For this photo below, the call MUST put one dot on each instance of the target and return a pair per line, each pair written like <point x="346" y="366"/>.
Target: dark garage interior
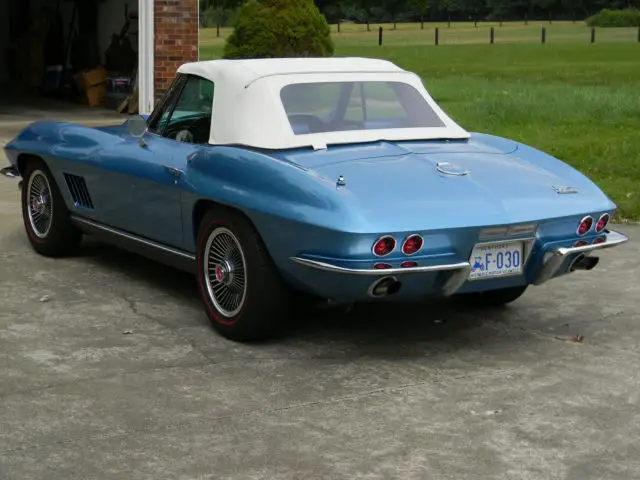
<point x="67" y="55"/>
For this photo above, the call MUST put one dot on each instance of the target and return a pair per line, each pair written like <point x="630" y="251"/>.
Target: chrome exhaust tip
<point x="384" y="287"/>
<point x="583" y="262"/>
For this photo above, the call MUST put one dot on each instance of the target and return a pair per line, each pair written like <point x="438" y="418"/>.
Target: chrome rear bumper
<point x="554" y="258"/>
<point x="459" y="271"/>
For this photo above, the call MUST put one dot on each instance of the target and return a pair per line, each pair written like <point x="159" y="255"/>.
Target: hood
<point x="405" y="191"/>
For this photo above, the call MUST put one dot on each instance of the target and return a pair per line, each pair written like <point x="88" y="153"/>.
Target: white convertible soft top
<point x="248" y="110"/>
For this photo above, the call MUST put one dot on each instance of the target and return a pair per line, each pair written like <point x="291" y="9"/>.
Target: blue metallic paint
<point x="293" y="200"/>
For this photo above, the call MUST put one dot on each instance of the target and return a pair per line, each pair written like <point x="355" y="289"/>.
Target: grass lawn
<point x="577" y="101"/>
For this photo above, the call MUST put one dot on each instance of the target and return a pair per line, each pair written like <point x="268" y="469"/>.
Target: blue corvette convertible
<point x="337" y="177"/>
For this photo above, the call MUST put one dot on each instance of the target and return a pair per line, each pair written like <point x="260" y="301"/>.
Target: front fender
<point x="48" y="139"/>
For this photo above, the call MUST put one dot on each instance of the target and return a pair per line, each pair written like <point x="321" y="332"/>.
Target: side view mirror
<point x="137" y="127"/>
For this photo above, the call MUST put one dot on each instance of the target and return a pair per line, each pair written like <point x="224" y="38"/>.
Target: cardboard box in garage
<point x="93" y="84"/>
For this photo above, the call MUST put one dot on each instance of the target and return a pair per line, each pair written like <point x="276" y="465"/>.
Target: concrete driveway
<point x="108" y="369"/>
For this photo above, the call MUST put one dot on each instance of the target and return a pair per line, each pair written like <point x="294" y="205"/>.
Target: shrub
<point x="615" y="18"/>
<point x="279" y="28"/>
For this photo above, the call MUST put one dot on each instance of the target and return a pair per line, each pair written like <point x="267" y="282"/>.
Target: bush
<point x="279" y="28"/>
<point x="615" y="18"/>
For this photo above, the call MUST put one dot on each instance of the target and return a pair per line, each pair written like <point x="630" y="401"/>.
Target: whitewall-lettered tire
<point x="45" y="215"/>
<point x="243" y="294"/>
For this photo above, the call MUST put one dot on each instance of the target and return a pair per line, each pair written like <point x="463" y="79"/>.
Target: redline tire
<point x="44" y="213"/>
<point x="243" y="294"/>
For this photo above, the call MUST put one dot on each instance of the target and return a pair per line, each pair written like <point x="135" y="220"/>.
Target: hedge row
<point x="615" y="18"/>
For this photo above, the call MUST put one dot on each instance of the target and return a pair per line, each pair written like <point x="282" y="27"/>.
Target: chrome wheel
<point x="40" y="204"/>
<point x="225" y="272"/>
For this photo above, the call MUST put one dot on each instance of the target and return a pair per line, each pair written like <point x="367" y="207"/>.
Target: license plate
<point x="492" y="260"/>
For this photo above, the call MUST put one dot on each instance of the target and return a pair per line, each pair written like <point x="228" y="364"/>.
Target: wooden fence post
<point x="379" y="36"/>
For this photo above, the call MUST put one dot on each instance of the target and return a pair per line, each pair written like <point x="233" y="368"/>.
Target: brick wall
<point x="176" y="39"/>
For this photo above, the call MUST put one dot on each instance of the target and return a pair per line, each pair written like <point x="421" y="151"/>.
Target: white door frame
<point x="146" y="47"/>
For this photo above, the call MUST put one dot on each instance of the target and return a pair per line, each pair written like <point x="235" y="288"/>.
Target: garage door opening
<point x="62" y="59"/>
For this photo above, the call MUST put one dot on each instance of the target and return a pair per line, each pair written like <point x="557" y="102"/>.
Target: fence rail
<point x="354" y="35"/>
<point x="387" y="35"/>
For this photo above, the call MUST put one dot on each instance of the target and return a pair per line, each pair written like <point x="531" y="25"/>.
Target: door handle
<point x="175" y="172"/>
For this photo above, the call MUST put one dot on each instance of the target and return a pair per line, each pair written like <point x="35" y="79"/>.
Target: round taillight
<point x="412" y="244"/>
<point x="381" y="266"/>
<point x="581" y="243"/>
<point x="597" y="241"/>
<point x="602" y="222"/>
<point x="585" y="225"/>
<point x="409" y="264"/>
<point x="384" y="246"/>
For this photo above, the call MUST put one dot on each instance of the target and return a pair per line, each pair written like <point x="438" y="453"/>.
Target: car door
<point x="180" y="126"/>
<point x="134" y="184"/>
<point x="143" y="182"/>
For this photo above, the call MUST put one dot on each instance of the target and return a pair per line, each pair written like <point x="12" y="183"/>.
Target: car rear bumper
<point x="452" y="277"/>
<point x="554" y="258"/>
<point x="456" y="273"/>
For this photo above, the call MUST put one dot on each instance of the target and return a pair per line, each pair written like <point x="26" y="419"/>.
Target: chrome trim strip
<point x="554" y="258"/>
<point x="382" y="272"/>
<point x="135" y="238"/>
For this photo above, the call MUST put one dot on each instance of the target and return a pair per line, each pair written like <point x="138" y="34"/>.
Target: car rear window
<point x="321" y="107"/>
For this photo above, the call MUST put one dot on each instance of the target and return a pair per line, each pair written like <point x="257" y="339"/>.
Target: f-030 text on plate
<point x="490" y="260"/>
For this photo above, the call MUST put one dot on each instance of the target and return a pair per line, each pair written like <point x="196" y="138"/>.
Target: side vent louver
<point x="78" y="189"/>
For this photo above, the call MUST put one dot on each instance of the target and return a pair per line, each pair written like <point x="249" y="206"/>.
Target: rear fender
<point x="272" y="193"/>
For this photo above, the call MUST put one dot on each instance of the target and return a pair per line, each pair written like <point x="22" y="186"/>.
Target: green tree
<point x="279" y="28"/>
<point x="422" y="8"/>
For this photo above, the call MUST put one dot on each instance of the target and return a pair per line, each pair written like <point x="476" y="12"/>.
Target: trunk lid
<point x="400" y="188"/>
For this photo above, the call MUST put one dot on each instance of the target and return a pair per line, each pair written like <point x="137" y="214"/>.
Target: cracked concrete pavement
<point x="110" y="370"/>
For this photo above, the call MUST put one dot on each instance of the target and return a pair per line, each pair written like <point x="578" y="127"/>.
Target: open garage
<point x="90" y="58"/>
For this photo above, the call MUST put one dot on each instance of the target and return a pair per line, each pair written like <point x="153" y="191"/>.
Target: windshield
<point x="322" y="107"/>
